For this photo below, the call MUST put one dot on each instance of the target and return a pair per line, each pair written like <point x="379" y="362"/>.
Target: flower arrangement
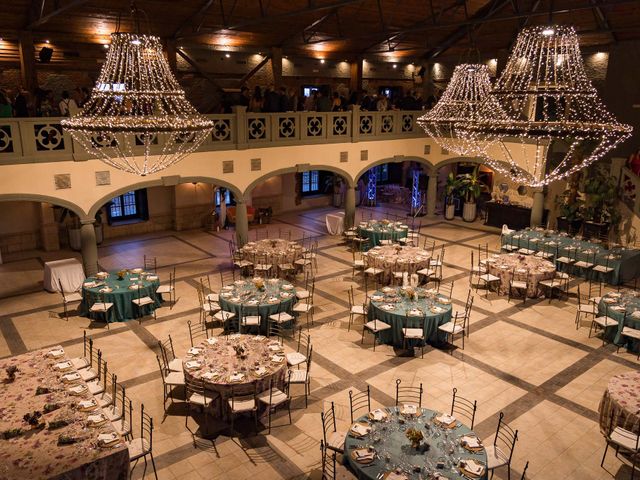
<point x="385" y="222"/>
<point x="409" y="292"/>
<point x="258" y="282"/>
<point x="240" y="351"/>
<point x="11" y="373"/>
<point x="33" y="419"/>
<point x="415" y="437"/>
<point x="122" y="273"/>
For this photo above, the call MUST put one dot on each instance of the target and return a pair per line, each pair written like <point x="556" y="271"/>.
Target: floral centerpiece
<point x="11" y="373"/>
<point x="240" y="351"/>
<point x="409" y="292"/>
<point x="415" y="437"/>
<point x="258" y="282"/>
<point x="122" y="273"/>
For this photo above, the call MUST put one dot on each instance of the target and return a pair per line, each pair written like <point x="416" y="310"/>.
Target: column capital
<point x="87" y="221"/>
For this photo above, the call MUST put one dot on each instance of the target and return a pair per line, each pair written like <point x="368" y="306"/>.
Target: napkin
<point x="152" y="277"/>
<point x="102" y="274"/>
<point x="636" y="314"/>
<point x="273" y="299"/>
<point x="212" y="341"/>
<point x="87" y="404"/>
<point x="363" y="455"/>
<point x="415" y="313"/>
<point x="107" y="438"/>
<point x="617" y="308"/>
<point x="409" y="409"/>
<point x="399" y="476"/>
<point x="71" y="377"/>
<point x="473" y="467"/>
<point x="446" y="419"/>
<point x="259" y="338"/>
<point x="275" y="347"/>
<point x="436" y="309"/>
<point x="105" y="290"/>
<point x="78" y="389"/>
<point x="58" y="352"/>
<point x="360" y="429"/>
<point x="193" y="351"/>
<point x="378" y="415"/>
<point x="134" y="287"/>
<point x="63" y="365"/>
<point x="236" y="377"/>
<point x="470" y="441"/>
<point x="228" y="288"/>
<point x="193" y="364"/>
<point x="277" y="358"/>
<point x="210" y="375"/>
<point x="260" y="371"/>
<point x="287" y="286"/>
<point x="387" y="306"/>
<point x="97" y="418"/>
<point x="377" y="298"/>
<point x="89" y="284"/>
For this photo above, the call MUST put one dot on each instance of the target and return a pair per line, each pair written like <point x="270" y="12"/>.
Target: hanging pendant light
<point x="467" y="89"/>
<point x="543" y="120"/>
<point x="137" y="118"/>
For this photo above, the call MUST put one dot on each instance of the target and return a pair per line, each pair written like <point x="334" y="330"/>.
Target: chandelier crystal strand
<point x="467" y="89"/>
<point x="137" y="118"/>
<point x="543" y="120"/>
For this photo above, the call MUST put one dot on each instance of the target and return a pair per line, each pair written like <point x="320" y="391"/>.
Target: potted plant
<point x="601" y="203"/>
<point x="570" y="207"/>
<point x="470" y="188"/>
<point x="450" y="191"/>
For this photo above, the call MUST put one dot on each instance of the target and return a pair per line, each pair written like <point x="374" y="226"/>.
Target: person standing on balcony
<point x="271" y="100"/>
<point x="68" y="106"/>
<point x="324" y="102"/>
<point x="256" y="100"/>
<point x="6" y="110"/>
<point x="20" y="107"/>
<point x="382" y="105"/>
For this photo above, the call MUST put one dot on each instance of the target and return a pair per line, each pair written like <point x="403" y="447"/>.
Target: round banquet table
<point x="505" y="264"/>
<point x="121" y="293"/>
<point x="622" y="400"/>
<point x="376" y="230"/>
<point x="391" y="305"/>
<point x="215" y="361"/>
<point x="276" y="250"/>
<point x="397" y="258"/>
<point x="243" y="294"/>
<point x="623" y="306"/>
<point x="387" y="438"/>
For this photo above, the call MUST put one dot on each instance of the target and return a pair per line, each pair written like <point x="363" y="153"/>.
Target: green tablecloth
<point x="376" y="231"/>
<point x="616" y="304"/>
<point x="426" y="301"/>
<point x="390" y="442"/>
<point x="121" y="295"/>
<point x="243" y="293"/>
<point x="624" y="261"/>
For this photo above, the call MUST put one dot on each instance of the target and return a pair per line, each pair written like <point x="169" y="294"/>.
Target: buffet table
<point x="376" y="230"/>
<point x="504" y="266"/>
<point x="258" y="297"/>
<point x="377" y="446"/>
<point x="392" y="305"/>
<point x="68" y="272"/>
<point x="516" y="217"/>
<point x="217" y="360"/>
<point x="62" y="441"/>
<point x="622" y="400"/>
<point x="623" y="306"/>
<point x="121" y="292"/>
<point x="624" y="261"/>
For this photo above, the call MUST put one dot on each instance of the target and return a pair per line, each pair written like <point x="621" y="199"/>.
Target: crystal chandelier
<point x="543" y="120"/>
<point x="137" y="118"/>
<point x="467" y="89"/>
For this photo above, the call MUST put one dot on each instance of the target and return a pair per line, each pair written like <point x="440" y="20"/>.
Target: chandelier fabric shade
<point x="543" y="119"/>
<point x="137" y="118"/>
<point x="467" y="89"/>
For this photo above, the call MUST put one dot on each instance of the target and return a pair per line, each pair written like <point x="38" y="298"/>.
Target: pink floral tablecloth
<point x="535" y="269"/>
<point x="35" y="453"/>
<point x="396" y="258"/>
<point x="226" y="372"/>
<point x="622" y="400"/>
<point x="275" y="250"/>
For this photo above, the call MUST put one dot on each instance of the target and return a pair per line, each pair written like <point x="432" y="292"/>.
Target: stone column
<point x="432" y="192"/>
<point x="537" y="210"/>
<point x="242" y="224"/>
<point x="350" y="207"/>
<point x="89" y="247"/>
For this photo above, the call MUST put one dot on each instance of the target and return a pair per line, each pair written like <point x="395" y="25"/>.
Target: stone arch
<point x="397" y="159"/>
<point x="34" y="197"/>
<point x="338" y="171"/>
<point x="161" y="183"/>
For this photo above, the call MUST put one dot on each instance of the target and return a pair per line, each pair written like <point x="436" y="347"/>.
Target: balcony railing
<point x="36" y="140"/>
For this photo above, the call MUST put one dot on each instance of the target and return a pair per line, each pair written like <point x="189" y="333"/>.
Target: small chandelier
<point x="467" y="89"/>
<point x="543" y="120"/>
<point x="137" y="118"/>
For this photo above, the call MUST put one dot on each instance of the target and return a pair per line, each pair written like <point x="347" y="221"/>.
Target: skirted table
<point x="68" y="273"/>
<point x="623" y="306"/>
<point x="237" y="364"/>
<point x="273" y="250"/>
<point x="392" y="305"/>
<point x="67" y="443"/>
<point x="135" y="283"/>
<point x="377" y="446"/>
<point x="376" y="230"/>
<point x="524" y="266"/>
<point x="397" y="258"/>
<point x="625" y="262"/>
<point x="258" y="297"/>
<point x="622" y="400"/>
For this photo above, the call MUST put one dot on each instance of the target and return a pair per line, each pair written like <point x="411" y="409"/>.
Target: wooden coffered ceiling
<point x="416" y="29"/>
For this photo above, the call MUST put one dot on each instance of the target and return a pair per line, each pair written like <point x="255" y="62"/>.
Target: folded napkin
<point x="275" y="347"/>
<point x="287" y="286"/>
<point x="377" y="298"/>
<point x="212" y="341"/>
<point x="192" y="364"/>
<point x="135" y="286"/>
<point x="89" y="284"/>
<point x="617" y="308"/>
<point x="55" y="353"/>
<point x="259" y="337"/>
<point x="470" y="441"/>
<point x="273" y="300"/>
<point x="210" y="375"/>
<point x="71" y="377"/>
<point x="363" y="455"/>
<point x="360" y="429"/>
<point x="387" y="306"/>
<point x="78" y="389"/>
<point x="277" y="358"/>
<point x="609" y="300"/>
<point x="260" y="371"/>
<point x="436" y="309"/>
<point x="471" y="466"/>
<point x="107" y="438"/>
<point x="236" y="377"/>
<point x="63" y="365"/>
<point x="409" y="409"/>
<point x="415" y="312"/>
<point x="444" y="300"/>
<point x="97" y="418"/>
<point x="105" y="290"/>
<point x="152" y="277"/>
<point x="102" y="274"/>
<point x="636" y="314"/>
<point x="401" y="476"/>
<point x="193" y="351"/>
<point x="387" y="289"/>
<point x="226" y="294"/>
<point x="285" y="294"/>
<point x="84" y="404"/>
<point x="252" y="302"/>
<point x="227" y="288"/>
<point x="446" y="419"/>
<point x="235" y="299"/>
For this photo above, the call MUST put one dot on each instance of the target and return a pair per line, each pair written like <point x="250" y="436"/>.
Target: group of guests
<point x="42" y="103"/>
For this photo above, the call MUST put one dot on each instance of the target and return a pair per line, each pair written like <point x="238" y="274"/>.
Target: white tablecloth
<point x="69" y="271"/>
<point x="335" y="223"/>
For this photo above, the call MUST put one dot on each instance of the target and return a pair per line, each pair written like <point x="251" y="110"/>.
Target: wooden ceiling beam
<point x="55" y="13"/>
<point x="199" y="14"/>
<point x="601" y="19"/>
<point x="254" y="70"/>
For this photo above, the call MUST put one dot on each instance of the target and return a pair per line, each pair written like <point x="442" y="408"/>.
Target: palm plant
<point x="470" y="186"/>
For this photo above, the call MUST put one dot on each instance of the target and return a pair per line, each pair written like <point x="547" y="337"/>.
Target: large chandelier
<point x="137" y="118"/>
<point x="467" y="89"/>
<point x="543" y="120"/>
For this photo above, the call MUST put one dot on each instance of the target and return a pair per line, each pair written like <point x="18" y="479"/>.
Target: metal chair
<point x="625" y="440"/>
<point x="143" y="446"/>
<point x="499" y="454"/>
<point x="460" y="406"/>
<point x="150" y="264"/>
<point x="408" y="394"/>
<point x="359" y="401"/>
<point x="69" y="299"/>
<point x="169" y="288"/>
<point x="302" y="377"/>
<point x="274" y="398"/>
<point x="333" y="439"/>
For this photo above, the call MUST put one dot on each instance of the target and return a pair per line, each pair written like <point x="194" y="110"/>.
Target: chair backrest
<point x="328" y="462"/>
<point x="164" y="369"/>
<point x="359" y="401"/>
<point x="312" y="292"/>
<point x="524" y="472"/>
<point x="461" y="406"/>
<point x="473" y="264"/>
<point x="304" y="342"/>
<point x="61" y="290"/>
<point x="483" y="252"/>
<point x="195" y="386"/>
<point x="150" y="263"/>
<point x="408" y="394"/>
<point x="328" y="417"/>
<point x="166" y="349"/>
<point x="445" y="288"/>
<point x="146" y="428"/>
<point x="197" y="332"/>
<point x="309" y="359"/>
<point x="506" y="437"/>
<point x="247" y="392"/>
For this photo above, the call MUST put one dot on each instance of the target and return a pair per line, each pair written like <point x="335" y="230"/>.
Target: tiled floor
<point x="531" y="363"/>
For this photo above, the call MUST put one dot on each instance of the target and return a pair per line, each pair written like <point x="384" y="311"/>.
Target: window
<point x="310" y="181"/>
<point x="308" y="90"/>
<point x="227" y="197"/>
<point x="129" y="206"/>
